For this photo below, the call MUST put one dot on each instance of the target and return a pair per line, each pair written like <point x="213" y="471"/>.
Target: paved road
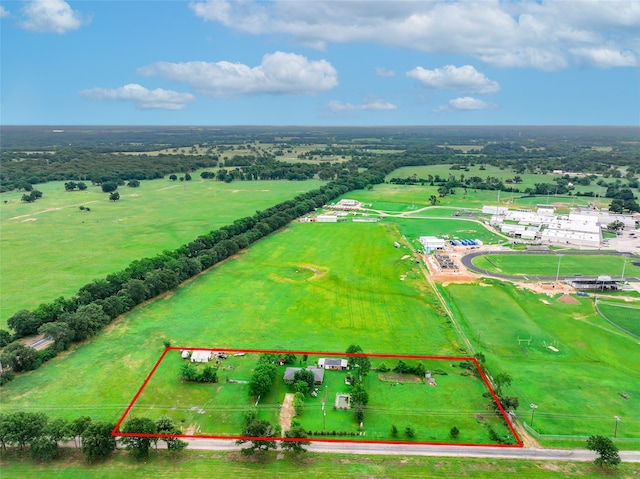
<point x="467" y="261"/>
<point x="425" y="450"/>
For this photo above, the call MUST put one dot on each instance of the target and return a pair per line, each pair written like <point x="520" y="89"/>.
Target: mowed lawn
<point x="626" y="315"/>
<point x="255" y="301"/>
<point x="578" y="389"/>
<point x="51" y="248"/>
<point x="547" y="265"/>
<point x="200" y="464"/>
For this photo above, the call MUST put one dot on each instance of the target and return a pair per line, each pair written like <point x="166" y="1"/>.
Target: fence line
<point x="612" y="323"/>
<point x="537" y="435"/>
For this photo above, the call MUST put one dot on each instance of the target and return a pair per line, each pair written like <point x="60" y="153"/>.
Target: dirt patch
<point x="29" y="219"/>
<point x="544" y="301"/>
<point x="568" y="299"/>
<point x="286" y="413"/>
<point x="545" y="288"/>
<point x="399" y="378"/>
<point x="406" y="256"/>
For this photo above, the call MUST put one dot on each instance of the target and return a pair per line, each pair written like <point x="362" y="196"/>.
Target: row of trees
<point x="43" y="436"/>
<point x="99" y="302"/>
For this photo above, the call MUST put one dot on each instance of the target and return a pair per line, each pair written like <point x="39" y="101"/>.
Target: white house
<point x="333" y="363"/>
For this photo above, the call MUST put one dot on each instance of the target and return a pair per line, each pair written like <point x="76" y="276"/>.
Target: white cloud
<point x="527" y="33"/>
<point x="465" y="78"/>
<point x="4" y="12"/>
<point x="279" y="73"/>
<point x="465" y="103"/>
<point x="143" y="98"/>
<point x="385" y="73"/>
<point x="372" y="104"/>
<point x="51" y="16"/>
<point x="605" y="57"/>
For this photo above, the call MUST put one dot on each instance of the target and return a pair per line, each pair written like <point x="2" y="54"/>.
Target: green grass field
<point x="415" y="227"/>
<point x="578" y="389"/>
<point x="218" y="409"/>
<point x="547" y="265"/>
<point x="356" y="295"/>
<point x="625" y="315"/>
<point x="529" y="180"/>
<point x="190" y="464"/>
<point x="51" y="248"/>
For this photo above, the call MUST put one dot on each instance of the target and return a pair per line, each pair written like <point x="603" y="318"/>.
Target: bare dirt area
<point x="567" y="299"/>
<point x="286" y="413"/>
<point x="549" y="288"/>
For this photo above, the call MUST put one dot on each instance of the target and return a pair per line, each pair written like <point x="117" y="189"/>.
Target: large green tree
<point x="20" y="357"/>
<point x="607" y="451"/>
<point x="97" y="441"/>
<point x="139" y="443"/>
<point x="263" y="432"/>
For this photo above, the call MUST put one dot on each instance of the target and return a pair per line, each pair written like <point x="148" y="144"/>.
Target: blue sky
<point x="303" y="62"/>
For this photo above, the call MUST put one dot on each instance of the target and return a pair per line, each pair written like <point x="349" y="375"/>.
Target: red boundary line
<point x="116" y="433"/>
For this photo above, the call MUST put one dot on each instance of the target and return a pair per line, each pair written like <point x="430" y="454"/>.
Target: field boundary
<point x="561" y="437"/>
<point x="616" y="325"/>
<point x="503" y="413"/>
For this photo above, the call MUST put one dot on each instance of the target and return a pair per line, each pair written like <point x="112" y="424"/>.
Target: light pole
<point x="615" y="431"/>
<point x="558" y="270"/>
<point x="624" y="266"/>
<point x="533" y="410"/>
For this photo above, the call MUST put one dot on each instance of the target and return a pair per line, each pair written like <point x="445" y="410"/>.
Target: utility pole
<point x="533" y="410"/>
<point x="615" y="431"/>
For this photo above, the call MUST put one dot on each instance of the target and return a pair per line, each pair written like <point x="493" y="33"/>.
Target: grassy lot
<point x="218" y="409"/>
<point x="190" y="464"/>
<point x="51" y="248"/>
<point x="529" y="180"/>
<point x="356" y="295"/>
<point x="625" y="315"/>
<point x="578" y="389"/>
<point x="547" y="265"/>
<point x="413" y="228"/>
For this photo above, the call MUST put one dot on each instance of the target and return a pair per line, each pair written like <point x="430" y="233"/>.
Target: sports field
<point x="624" y="314"/>
<point x="361" y="292"/>
<point x="51" y="248"/>
<point x="579" y="388"/>
<point x="547" y="265"/>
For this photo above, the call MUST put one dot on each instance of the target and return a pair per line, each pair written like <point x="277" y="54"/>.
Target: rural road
<point x="467" y="261"/>
<point x="425" y="450"/>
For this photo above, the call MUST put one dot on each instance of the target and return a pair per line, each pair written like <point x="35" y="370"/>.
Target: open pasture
<point x="547" y="264"/>
<point x="51" y="248"/>
<point x="579" y="388"/>
<point x="455" y="398"/>
<point x="356" y="295"/>
<point x="528" y="180"/>
<point x="394" y="199"/>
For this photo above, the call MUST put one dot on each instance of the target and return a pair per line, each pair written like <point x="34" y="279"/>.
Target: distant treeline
<point x="67" y="320"/>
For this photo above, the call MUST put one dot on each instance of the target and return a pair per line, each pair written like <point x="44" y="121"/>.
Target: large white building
<point x="431" y="242"/>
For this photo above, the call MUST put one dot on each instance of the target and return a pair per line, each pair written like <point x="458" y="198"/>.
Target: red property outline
<point x="116" y="433"/>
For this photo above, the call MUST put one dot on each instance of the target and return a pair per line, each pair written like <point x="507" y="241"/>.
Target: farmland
<point x="256" y="301"/>
<point x="85" y="245"/>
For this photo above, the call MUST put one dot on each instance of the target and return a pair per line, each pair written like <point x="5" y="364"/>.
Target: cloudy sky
<point x="314" y="62"/>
